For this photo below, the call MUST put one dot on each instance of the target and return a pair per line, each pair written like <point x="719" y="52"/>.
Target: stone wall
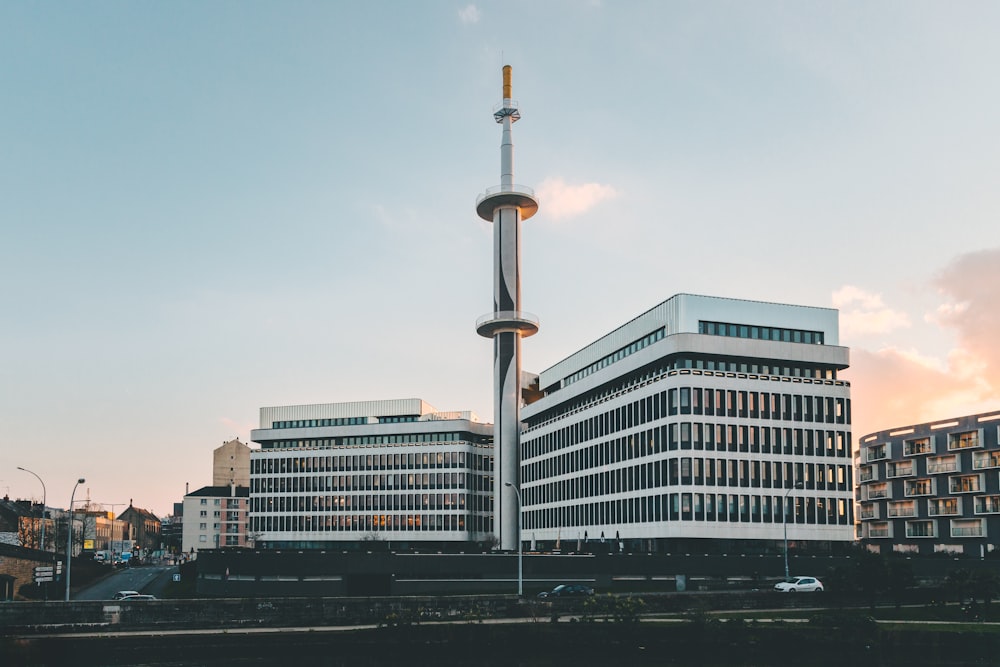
<point x="17" y="566"/>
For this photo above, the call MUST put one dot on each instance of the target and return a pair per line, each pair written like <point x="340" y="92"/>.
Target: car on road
<point x="123" y="594"/>
<point x="799" y="585"/>
<point x="138" y="596"/>
<point x="567" y="590"/>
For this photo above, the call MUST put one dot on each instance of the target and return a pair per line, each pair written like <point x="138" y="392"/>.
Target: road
<point x="149" y="579"/>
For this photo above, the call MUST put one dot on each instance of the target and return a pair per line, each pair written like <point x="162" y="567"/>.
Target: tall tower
<point x="506" y="205"/>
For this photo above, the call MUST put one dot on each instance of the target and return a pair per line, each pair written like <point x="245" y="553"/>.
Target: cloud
<point x="469" y="14"/>
<point x="560" y="200"/>
<point x="892" y="387"/>
<point x="863" y="313"/>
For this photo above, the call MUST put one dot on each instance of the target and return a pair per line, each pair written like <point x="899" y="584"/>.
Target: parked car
<point x="567" y="590"/>
<point x="124" y="594"/>
<point x="800" y="585"/>
<point x="139" y="597"/>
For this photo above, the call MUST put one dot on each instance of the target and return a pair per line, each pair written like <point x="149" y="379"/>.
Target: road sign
<point x="43" y="569"/>
<point x="42" y="580"/>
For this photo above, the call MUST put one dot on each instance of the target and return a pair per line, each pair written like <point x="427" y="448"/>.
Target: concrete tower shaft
<point x="506" y="205"/>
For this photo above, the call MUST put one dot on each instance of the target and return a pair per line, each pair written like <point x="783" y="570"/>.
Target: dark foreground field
<point x="705" y="642"/>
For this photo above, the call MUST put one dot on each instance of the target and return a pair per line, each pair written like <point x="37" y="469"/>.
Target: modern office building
<point x="704" y="424"/>
<point x="395" y="471"/>
<point x="932" y="488"/>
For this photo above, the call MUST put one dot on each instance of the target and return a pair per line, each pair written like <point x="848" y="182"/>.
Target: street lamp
<point x="784" y="522"/>
<point x="520" y="554"/>
<point x="43" y="502"/>
<point x="69" y="535"/>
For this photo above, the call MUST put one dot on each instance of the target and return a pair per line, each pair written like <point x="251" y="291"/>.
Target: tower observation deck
<point x="506" y="205"/>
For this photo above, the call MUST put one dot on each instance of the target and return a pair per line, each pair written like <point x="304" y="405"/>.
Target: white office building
<point x="691" y="427"/>
<point x="395" y="471"/>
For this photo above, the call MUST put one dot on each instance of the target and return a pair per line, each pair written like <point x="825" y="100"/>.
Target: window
<point x="876" y="453"/>
<point x="965" y="440"/>
<point x="917" y="447"/>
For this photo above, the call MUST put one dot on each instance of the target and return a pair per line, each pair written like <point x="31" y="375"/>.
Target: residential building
<point x="215" y="516"/>
<point x="933" y="487"/>
<point x="142" y="527"/>
<point x="23" y="523"/>
<point x="396" y="471"/>
<point x="703" y="425"/>
<point x="231" y="464"/>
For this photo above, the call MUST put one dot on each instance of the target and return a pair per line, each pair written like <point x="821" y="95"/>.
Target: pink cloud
<point x="562" y="200"/>
<point x="863" y="313"/>
<point x="892" y="387"/>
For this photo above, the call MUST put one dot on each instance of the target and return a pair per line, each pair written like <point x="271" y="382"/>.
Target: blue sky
<point x="206" y="208"/>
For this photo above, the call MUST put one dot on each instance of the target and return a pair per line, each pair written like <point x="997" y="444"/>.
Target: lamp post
<point x="43" y="502"/>
<point x="69" y="535"/>
<point x="784" y="522"/>
<point x="520" y="554"/>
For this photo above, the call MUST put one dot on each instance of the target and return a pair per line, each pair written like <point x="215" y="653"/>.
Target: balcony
<point x="918" y="447"/>
<point x="901" y="509"/>
<point x="965" y="484"/>
<point x="944" y="507"/>
<point x="987" y="505"/>
<point x="983" y="460"/>
<point x="879" y="530"/>
<point x="941" y="464"/>
<point x="921" y="487"/>
<point x="876" y="491"/>
<point x="968" y="528"/>
<point x="876" y="453"/>
<point x="967" y="440"/>
<point x="921" y="529"/>
<point x="899" y="469"/>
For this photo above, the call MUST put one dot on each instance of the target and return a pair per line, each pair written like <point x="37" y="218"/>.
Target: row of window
<point x="758" y="405"/>
<point x="760" y="333"/>
<point x="709" y="364"/>
<point x="674" y="437"/>
<point x="381" y="501"/>
<point x="926" y="445"/>
<point x="399" y="439"/>
<point x="737" y="404"/>
<point x="617" y="355"/>
<point x="691" y="471"/>
<point x="312" y="423"/>
<point x="935" y="507"/>
<point x="363" y="523"/>
<point x="741" y="508"/>
<point x="928" y="486"/>
<point x="927" y="528"/>
<point x="295" y="465"/>
<point x="372" y="482"/>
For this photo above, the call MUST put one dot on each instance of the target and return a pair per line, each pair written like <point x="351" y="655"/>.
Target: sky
<point x="208" y="208"/>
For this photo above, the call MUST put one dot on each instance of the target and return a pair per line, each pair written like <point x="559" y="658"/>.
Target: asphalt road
<point x="150" y="579"/>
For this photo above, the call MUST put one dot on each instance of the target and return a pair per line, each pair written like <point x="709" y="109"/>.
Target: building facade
<point x="932" y="488"/>
<point x="215" y="517"/>
<point x="348" y="473"/>
<point x="142" y="527"/>
<point x="231" y="464"/>
<point x="704" y="423"/>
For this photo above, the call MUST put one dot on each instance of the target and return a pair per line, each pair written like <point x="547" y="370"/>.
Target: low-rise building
<point x="215" y="516"/>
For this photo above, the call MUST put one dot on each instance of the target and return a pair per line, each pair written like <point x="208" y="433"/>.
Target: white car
<point x="800" y="585"/>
